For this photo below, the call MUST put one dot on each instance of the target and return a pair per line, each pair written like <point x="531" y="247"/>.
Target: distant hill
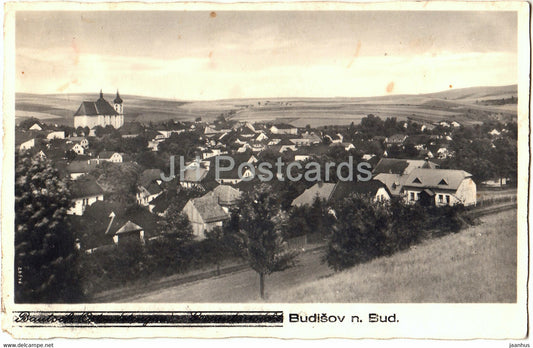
<point x="467" y="105"/>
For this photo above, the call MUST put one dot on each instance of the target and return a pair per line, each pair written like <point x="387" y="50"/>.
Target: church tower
<point x="118" y="104"/>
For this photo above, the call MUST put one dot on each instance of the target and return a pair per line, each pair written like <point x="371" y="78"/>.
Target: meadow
<point x="476" y="265"/>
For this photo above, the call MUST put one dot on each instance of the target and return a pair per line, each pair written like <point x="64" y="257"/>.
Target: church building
<point x="100" y="113"/>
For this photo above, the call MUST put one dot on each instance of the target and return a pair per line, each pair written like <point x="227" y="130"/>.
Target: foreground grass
<point x="476" y="265"/>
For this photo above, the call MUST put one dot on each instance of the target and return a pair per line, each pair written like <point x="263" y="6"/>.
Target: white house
<point x="283" y="129"/>
<point x="28" y="144"/>
<point x="375" y="190"/>
<point x="56" y="135"/>
<point x="440" y="187"/>
<point x="78" y="149"/>
<point x="36" y="127"/>
<point x="110" y="156"/>
<point x="85" y="191"/>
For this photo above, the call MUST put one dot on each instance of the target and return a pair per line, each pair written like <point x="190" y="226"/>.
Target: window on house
<point x="417" y="181"/>
<point x="412" y="196"/>
<point x="448" y="199"/>
<point x="443" y="182"/>
<point x="441" y="198"/>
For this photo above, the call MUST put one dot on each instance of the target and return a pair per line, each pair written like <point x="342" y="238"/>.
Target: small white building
<point x="85" y="191"/>
<point x="36" y="127"/>
<point x="283" y="129"/>
<point x="56" y="135"/>
<point x="78" y="149"/>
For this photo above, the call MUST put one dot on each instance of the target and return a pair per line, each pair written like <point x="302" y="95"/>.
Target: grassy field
<point x="454" y="104"/>
<point x="474" y="266"/>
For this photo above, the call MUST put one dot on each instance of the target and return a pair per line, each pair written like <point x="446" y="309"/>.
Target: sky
<point x="234" y="54"/>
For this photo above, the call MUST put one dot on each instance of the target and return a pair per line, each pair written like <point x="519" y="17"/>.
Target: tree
<point x="359" y="234"/>
<point x="262" y="221"/>
<point x="46" y="260"/>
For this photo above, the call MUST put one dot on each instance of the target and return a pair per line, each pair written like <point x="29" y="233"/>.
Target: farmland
<point x="463" y="105"/>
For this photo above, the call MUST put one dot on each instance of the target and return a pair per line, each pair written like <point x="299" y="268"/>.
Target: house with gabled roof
<point x="395" y="139"/>
<point x="440" y="187"/>
<point x="110" y="156"/>
<point x="55" y="135"/>
<point x="84" y="192"/>
<point x="393" y="172"/>
<point x="149" y="186"/>
<point x="331" y="192"/>
<point x="226" y="195"/>
<point x="129" y="230"/>
<point x="283" y="129"/>
<point x="76" y="169"/>
<point x="36" y="127"/>
<point x="205" y="213"/>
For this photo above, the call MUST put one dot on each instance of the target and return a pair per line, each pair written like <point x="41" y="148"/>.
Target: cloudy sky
<point x="207" y="55"/>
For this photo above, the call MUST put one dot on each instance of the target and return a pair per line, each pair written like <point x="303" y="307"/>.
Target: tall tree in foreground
<point x="46" y="267"/>
<point x="262" y="222"/>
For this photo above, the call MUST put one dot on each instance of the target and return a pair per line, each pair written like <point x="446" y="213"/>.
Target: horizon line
<point x="288" y="97"/>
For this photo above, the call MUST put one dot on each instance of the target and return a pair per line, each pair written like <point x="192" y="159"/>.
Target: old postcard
<point x="289" y="170"/>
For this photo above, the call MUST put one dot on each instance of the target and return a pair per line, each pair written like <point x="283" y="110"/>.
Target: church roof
<point x="99" y="107"/>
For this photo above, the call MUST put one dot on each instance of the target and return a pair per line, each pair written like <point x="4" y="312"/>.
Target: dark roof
<point x="153" y="188"/>
<point x="345" y="188"/>
<point x="149" y="175"/>
<point x="80" y="167"/>
<point x="99" y="107"/>
<point x="283" y="126"/>
<point x="85" y="186"/>
<point x="391" y="166"/>
<point x="401" y="166"/>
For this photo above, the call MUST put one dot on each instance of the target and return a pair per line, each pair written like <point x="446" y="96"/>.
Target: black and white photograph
<point x="215" y="165"/>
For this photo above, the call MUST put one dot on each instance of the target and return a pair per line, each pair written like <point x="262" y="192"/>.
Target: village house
<point x="36" y="127"/>
<point x="193" y="175"/>
<point x="84" y="142"/>
<point x="130" y="231"/>
<point x="204" y="214"/>
<point x="149" y="186"/>
<point x="85" y="191"/>
<point x="283" y="129"/>
<point x="78" y="149"/>
<point x="100" y="113"/>
<point x="332" y="192"/>
<point x="393" y="172"/>
<point x="440" y="187"/>
<point x="26" y="145"/>
<point x="110" y="156"/>
<point x="396" y="139"/>
<point x="227" y="196"/>
<point x="56" y="135"/>
<point x="75" y="169"/>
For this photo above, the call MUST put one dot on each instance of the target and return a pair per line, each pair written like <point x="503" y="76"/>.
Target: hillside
<point x="476" y="265"/>
<point x="468" y="105"/>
